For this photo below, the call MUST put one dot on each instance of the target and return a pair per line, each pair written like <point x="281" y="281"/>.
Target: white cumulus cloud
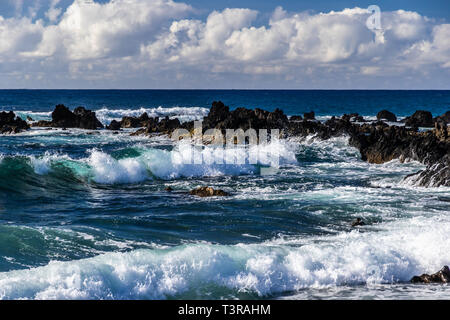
<point x="163" y="43"/>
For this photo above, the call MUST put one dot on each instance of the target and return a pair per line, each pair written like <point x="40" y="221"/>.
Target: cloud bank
<point x="161" y="44"/>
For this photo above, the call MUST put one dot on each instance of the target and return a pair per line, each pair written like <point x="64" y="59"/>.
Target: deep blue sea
<point x="85" y="215"/>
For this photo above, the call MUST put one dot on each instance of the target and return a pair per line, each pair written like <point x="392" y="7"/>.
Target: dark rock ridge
<point x="443" y="119"/>
<point x="220" y="117"/>
<point x="148" y="125"/>
<point x="442" y="276"/>
<point x="9" y="123"/>
<point x="62" y="117"/>
<point x="377" y="141"/>
<point x="134" y="122"/>
<point x="208" y="192"/>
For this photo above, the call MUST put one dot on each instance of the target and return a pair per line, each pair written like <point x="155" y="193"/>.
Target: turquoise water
<point x="85" y="216"/>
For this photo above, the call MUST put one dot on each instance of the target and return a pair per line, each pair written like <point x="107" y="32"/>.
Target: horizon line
<point x="218" y="89"/>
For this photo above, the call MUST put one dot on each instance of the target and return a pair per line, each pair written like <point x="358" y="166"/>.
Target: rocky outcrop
<point x="62" y="117"/>
<point x="442" y="276"/>
<point x="220" y="117"/>
<point x="114" y="125"/>
<point x="9" y="123"/>
<point x="309" y="115"/>
<point x="435" y="175"/>
<point x="386" y="115"/>
<point x="155" y="126"/>
<point x="353" y="117"/>
<point x="420" y="118"/>
<point x="443" y="119"/>
<point x="86" y="119"/>
<point x="208" y="192"/>
<point x="377" y="141"/>
<point x="135" y="122"/>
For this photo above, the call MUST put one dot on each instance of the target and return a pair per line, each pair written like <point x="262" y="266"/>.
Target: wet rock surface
<point x="10" y="123"/>
<point x="204" y="192"/>
<point x="442" y="276"/>
<point x="358" y="222"/>
<point x="377" y="141"/>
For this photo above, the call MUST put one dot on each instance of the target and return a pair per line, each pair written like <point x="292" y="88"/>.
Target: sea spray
<point x="194" y="271"/>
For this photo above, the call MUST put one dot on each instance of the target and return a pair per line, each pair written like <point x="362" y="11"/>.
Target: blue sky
<point x="432" y="8"/>
<point x="224" y="44"/>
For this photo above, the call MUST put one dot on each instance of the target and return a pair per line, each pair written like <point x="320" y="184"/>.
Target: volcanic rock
<point x="386" y="115"/>
<point x="445" y="118"/>
<point x="420" y="118"/>
<point x="114" y="125"/>
<point x="442" y="276"/>
<point x="208" y="192"/>
<point x="309" y="116"/>
<point x="9" y="123"/>
<point x="358" y="222"/>
<point x="62" y="117"/>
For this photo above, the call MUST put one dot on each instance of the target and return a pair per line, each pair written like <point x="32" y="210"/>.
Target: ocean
<point x="85" y="215"/>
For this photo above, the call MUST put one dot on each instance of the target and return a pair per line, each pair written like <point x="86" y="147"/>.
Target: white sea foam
<point x="164" y="164"/>
<point x="179" y="162"/>
<point x="108" y="170"/>
<point x="106" y="115"/>
<point x="396" y="253"/>
<point x="42" y="165"/>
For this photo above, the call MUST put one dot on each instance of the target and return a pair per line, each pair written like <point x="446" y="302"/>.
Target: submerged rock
<point x="208" y="192"/>
<point x="442" y="276"/>
<point x="9" y="123"/>
<point x="358" y="223"/>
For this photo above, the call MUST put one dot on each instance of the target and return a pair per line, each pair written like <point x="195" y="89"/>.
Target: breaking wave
<point x="180" y="162"/>
<point x="271" y="268"/>
<point x="106" y="115"/>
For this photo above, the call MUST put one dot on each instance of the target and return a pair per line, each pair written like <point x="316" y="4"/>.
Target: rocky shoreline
<point x="378" y="142"/>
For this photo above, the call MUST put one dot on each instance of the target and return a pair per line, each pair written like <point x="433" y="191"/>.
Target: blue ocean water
<point x="323" y="102"/>
<point x="84" y="215"/>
